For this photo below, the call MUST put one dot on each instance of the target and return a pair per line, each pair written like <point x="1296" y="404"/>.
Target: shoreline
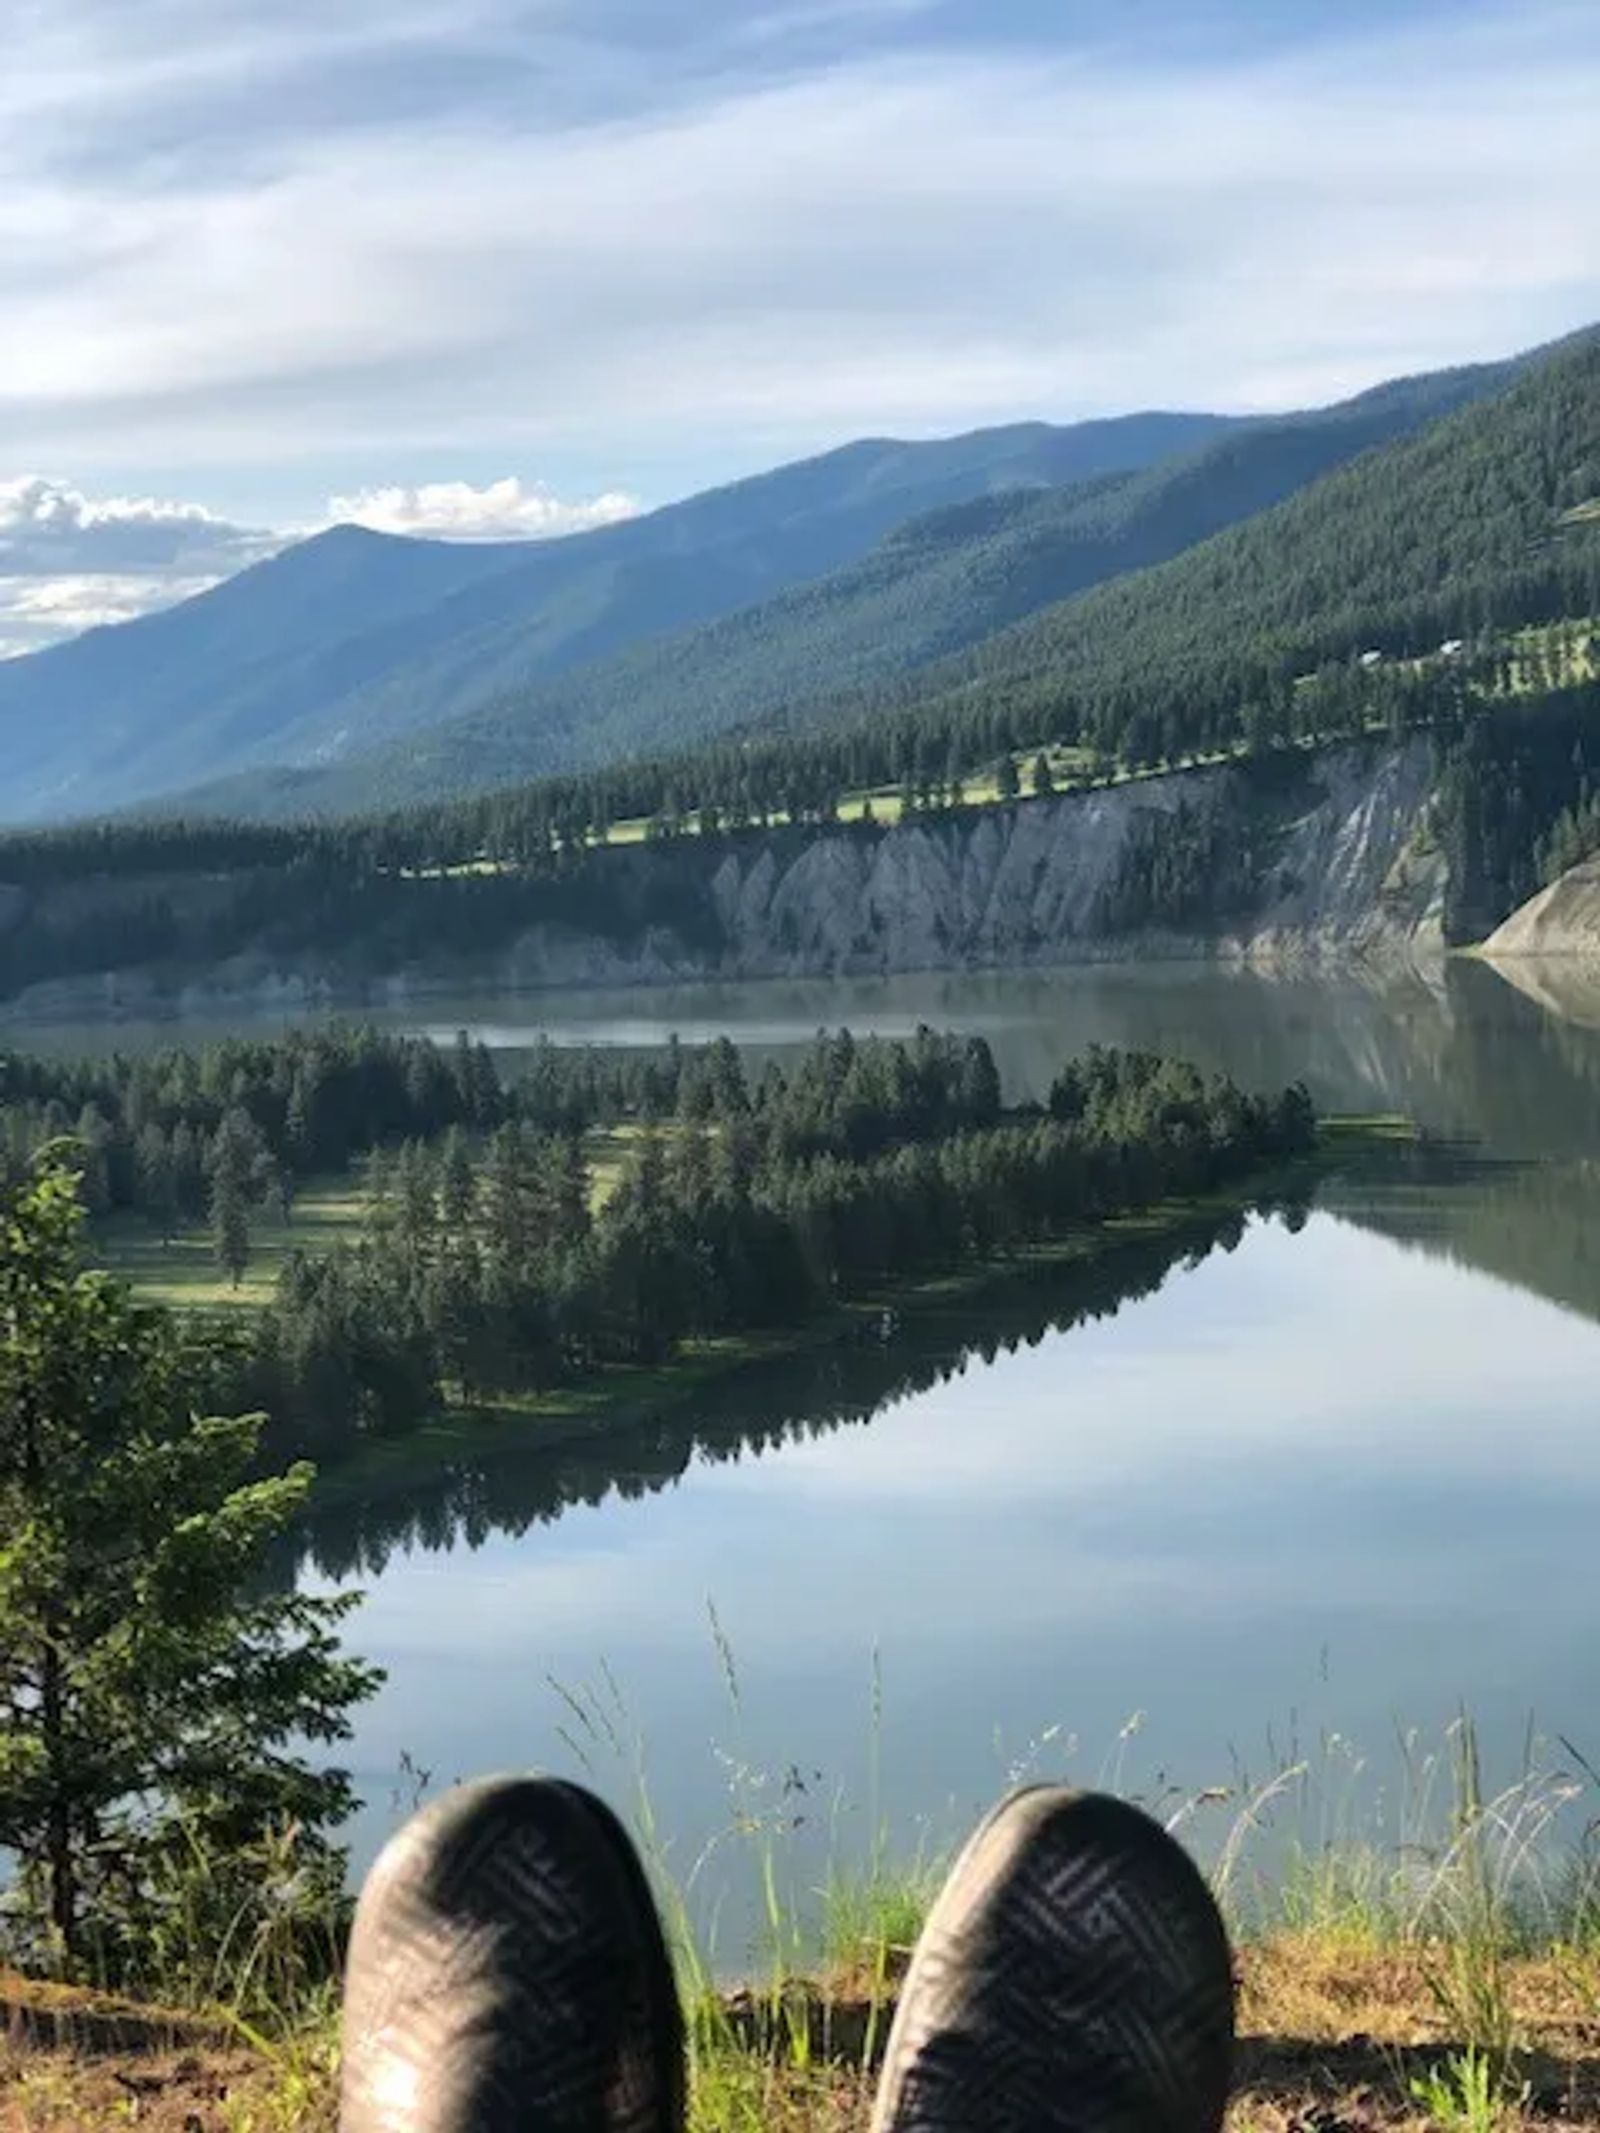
<point x="583" y="1415"/>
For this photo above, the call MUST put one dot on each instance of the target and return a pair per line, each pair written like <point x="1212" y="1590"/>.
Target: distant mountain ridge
<point x="357" y="672"/>
<point x="353" y="638"/>
<point x="943" y="583"/>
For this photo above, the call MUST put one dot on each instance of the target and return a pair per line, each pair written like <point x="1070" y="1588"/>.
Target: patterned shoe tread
<point x="507" y="1972"/>
<point x="1074" y="1977"/>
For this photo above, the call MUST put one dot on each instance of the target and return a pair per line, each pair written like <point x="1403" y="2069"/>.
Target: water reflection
<point x="763" y="1408"/>
<point x="1330" y="1477"/>
<point x="1314" y="1481"/>
<point x="1340" y="1475"/>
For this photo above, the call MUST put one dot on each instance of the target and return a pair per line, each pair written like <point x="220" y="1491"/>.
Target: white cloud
<point x="808" y="17"/>
<point x="920" y="239"/>
<point x="501" y="510"/>
<point x="69" y="561"/>
<point x="36" y="612"/>
<point x="44" y="522"/>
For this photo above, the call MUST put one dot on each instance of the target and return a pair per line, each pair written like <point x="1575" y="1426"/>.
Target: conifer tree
<point x="153" y="1702"/>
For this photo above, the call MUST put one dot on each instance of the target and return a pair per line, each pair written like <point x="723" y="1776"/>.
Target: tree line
<point x="792" y="1399"/>
<point x="493" y="1268"/>
<point x="173" y="1132"/>
<point x="1465" y="535"/>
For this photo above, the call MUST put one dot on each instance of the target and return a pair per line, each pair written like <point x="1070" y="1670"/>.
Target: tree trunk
<point x="60" y="1866"/>
<point x="58" y="1834"/>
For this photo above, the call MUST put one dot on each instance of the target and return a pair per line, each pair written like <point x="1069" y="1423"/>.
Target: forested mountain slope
<point x="1476" y="525"/>
<point x="353" y="637"/>
<point x="1473" y="528"/>
<point x="1319" y="617"/>
<point x="945" y="581"/>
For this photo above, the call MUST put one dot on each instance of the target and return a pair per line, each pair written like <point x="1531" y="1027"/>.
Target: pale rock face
<point x="1024" y="884"/>
<point x="1356" y="870"/>
<point x="1563" y="920"/>
<point x="1348" y="868"/>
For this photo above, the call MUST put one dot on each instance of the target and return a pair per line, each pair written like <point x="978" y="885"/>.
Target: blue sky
<point x="515" y="265"/>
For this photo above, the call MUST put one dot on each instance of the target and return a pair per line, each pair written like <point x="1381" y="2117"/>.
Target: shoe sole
<point x="666" y="2007"/>
<point x="1100" y="1903"/>
<point x="476" y="1864"/>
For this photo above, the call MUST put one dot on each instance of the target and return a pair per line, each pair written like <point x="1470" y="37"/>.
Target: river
<point x="1291" y="1489"/>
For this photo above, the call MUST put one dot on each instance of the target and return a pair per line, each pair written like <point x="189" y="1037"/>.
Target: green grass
<point x="1549" y="639"/>
<point x="182" y="1271"/>
<point x="1072" y="767"/>
<point x="1424" y="1958"/>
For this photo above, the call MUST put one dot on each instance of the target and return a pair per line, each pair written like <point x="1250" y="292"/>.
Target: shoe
<point x="1073" y="1977"/>
<point x="507" y="1972"/>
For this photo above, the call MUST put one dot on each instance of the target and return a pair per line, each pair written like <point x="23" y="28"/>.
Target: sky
<point x="519" y="267"/>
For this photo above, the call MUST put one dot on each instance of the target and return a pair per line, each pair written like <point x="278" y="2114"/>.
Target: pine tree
<point x="567" y="1190"/>
<point x="1042" y="778"/>
<point x="457" y="1184"/>
<point x="230" y="1221"/>
<point x="511" y="1215"/>
<point x="298" y="1147"/>
<point x="418" y="1211"/>
<point x="237" y="1176"/>
<point x="151" y="1699"/>
<point x="157" y="1179"/>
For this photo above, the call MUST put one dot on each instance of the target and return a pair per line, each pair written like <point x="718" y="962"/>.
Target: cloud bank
<point x="277" y="252"/>
<point x="505" y="510"/>
<point x="503" y="227"/>
<point x="69" y="561"/>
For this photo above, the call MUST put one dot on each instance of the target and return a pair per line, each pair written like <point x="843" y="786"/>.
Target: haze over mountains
<point x="360" y="669"/>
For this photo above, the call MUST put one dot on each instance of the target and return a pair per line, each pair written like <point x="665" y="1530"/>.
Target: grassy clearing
<point x="182" y="1272"/>
<point x="1536" y="651"/>
<point x="1566" y="652"/>
<point x="1537" y="657"/>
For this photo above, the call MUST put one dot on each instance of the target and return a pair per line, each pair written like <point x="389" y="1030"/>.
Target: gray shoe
<point x="1073" y="1977"/>
<point x="507" y="1972"/>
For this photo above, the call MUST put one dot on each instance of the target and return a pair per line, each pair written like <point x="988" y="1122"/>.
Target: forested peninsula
<point x="605" y="1213"/>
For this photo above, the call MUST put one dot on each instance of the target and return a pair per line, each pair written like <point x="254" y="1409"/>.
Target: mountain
<point x="354" y="638"/>
<point x="945" y="581"/>
<point x="1478" y="524"/>
<point x="1304" y="621"/>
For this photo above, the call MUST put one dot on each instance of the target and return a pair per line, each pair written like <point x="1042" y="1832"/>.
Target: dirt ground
<point x="1332" y="2040"/>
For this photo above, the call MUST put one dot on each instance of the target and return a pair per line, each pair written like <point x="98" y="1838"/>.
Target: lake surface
<point x="1331" y="1471"/>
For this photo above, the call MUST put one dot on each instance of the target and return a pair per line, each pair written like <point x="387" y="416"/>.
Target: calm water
<point x="1335" y="1469"/>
